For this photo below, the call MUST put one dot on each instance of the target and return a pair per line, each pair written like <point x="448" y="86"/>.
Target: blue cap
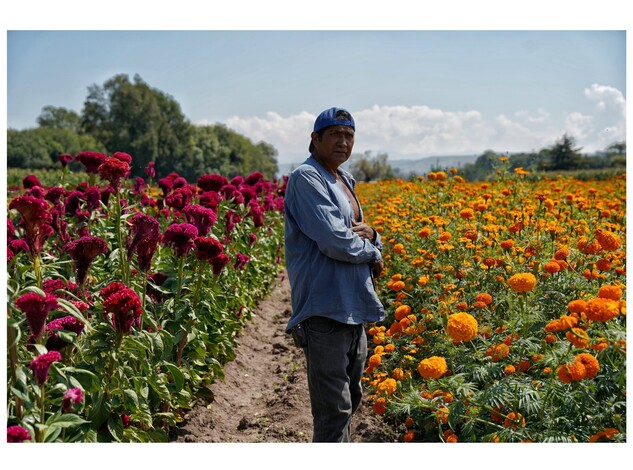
<point x="334" y="117"/>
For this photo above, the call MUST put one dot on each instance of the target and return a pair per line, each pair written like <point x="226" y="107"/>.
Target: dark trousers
<point x="335" y="355"/>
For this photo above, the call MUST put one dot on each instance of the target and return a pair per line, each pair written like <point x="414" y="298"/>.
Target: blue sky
<point x="413" y="93"/>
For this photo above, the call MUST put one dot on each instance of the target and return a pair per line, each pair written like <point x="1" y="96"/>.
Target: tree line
<point x="125" y="115"/>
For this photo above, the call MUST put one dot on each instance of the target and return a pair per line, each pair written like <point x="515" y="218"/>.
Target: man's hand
<point x="377" y="268"/>
<point x="363" y="230"/>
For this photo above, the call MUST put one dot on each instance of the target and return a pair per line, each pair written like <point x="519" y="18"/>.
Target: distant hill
<point x="405" y="167"/>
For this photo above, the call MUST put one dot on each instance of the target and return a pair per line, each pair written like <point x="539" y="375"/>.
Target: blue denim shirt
<point x="328" y="265"/>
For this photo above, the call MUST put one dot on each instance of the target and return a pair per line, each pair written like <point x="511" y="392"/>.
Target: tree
<point x="59" y="118"/>
<point x="367" y="168"/>
<point x="563" y="155"/>
<point x="134" y="118"/>
<point x="40" y="147"/>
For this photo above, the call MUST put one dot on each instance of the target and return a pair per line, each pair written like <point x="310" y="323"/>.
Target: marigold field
<point x="506" y="310"/>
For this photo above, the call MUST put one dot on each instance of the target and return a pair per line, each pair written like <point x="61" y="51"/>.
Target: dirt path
<point x="264" y="396"/>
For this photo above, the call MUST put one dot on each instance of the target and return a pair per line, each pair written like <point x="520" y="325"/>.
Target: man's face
<point x="335" y="147"/>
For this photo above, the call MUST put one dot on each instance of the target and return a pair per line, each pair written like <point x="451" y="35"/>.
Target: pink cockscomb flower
<point x="30" y="181"/>
<point x="180" y="238"/>
<point x="65" y="159"/>
<point x="124" y="304"/>
<point x="231" y="218"/>
<point x="219" y="262"/>
<point x="83" y="251"/>
<point x="150" y="171"/>
<point x="241" y="260"/>
<point x="208" y="248"/>
<point x="17" y="434"/>
<point x="201" y="217"/>
<point x="91" y="160"/>
<point x="42" y="363"/>
<point x="72" y="397"/>
<point x="36" y="308"/>
<point x="114" y="170"/>
<point x="179" y="198"/>
<point x="211" y="182"/>
<point x="67" y="323"/>
<point x="146" y="231"/>
<point x="36" y="218"/>
<point x="210" y="200"/>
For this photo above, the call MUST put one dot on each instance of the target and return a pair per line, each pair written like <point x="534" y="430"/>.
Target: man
<point x="331" y="258"/>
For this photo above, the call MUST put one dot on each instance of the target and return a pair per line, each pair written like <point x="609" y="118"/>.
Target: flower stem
<point x="119" y="234"/>
<point x="37" y="268"/>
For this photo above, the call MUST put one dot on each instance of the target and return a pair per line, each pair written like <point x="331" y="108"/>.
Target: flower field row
<point x="125" y="296"/>
<point x="506" y="308"/>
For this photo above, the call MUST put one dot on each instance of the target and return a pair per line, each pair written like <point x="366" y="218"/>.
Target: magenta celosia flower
<point x="211" y="182"/>
<point x="201" y="217"/>
<point x="42" y="363"/>
<point x="167" y="185"/>
<point x="208" y="248"/>
<point x="180" y="238"/>
<point x="254" y="178"/>
<point x="143" y="226"/>
<point x="139" y="185"/>
<point x="67" y="323"/>
<point x="92" y="196"/>
<point x="179" y="198"/>
<point x="55" y="194"/>
<point x="124" y="157"/>
<point x="91" y="160"/>
<point x="36" y="218"/>
<point x="219" y="262"/>
<point x="114" y="170"/>
<point x="210" y="200"/>
<point x="248" y="193"/>
<point x="256" y="213"/>
<point x="30" y="181"/>
<point x="17" y="434"/>
<point x="72" y="397"/>
<point x="145" y="250"/>
<point x="231" y="218"/>
<point x="83" y="251"/>
<point x="241" y="260"/>
<point x="230" y="192"/>
<point x="150" y="171"/>
<point x="36" y="308"/>
<point x="124" y="304"/>
<point x="65" y="159"/>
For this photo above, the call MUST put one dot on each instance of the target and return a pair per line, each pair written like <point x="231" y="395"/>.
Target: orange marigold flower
<point x="514" y="420"/>
<point x="441" y="415"/>
<point x="433" y="367"/>
<point x="445" y="236"/>
<point x="424" y="233"/>
<point x="409" y="436"/>
<point x="551" y="267"/>
<point x="600" y="309"/>
<point x="551" y="339"/>
<point x="561" y="253"/>
<point x="571" y="372"/>
<point x="495" y="416"/>
<point x="523" y="282"/>
<point x="601" y="344"/>
<point x="466" y="213"/>
<point x="606" y="434"/>
<point x="603" y="265"/>
<point x="484" y="297"/>
<point x="507" y="244"/>
<point x="402" y="311"/>
<point x="387" y="386"/>
<point x="397" y="286"/>
<point x="462" y="327"/>
<point x="390" y="347"/>
<point x="592" y="366"/>
<point x="577" y="306"/>
<point x="423" y="281"/>
<point x="374" y="360"/>
<point x="498" y="352"/>
<point x="610" y="292"/>
<point x="578" y="337"/>
<point x="568" y="321"/>
<point x="408" y="422"/>
<point x="380" y="406"/>
<point x="510" y="369"/>
<point x="608" y="240"/>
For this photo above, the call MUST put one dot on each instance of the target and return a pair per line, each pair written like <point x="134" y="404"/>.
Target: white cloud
<point x="418" y="131"/>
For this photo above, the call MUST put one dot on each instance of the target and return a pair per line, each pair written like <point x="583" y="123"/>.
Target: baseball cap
<point x="334" y="117"/>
